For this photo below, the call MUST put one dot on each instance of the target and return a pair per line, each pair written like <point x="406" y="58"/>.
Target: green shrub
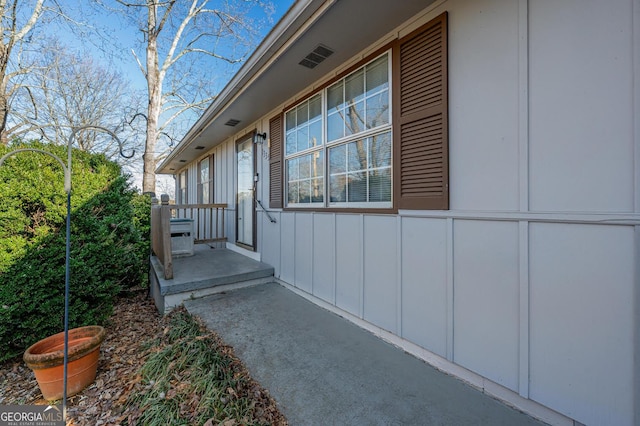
<point x="108" y="250"/>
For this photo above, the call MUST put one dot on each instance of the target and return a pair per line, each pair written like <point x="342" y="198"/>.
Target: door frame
<point x="248" y="137"/>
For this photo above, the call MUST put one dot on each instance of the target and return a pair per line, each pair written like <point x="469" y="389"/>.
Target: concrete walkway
<point x="324" y="370"/>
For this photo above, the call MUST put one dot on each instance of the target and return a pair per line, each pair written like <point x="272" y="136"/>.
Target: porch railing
<point x="208" y="226"/>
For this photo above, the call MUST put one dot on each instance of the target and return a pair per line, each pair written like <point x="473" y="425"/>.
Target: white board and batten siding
<point x="528" y="286"/>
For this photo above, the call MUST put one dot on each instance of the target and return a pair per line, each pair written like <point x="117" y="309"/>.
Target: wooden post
<point x="165" y="229"/>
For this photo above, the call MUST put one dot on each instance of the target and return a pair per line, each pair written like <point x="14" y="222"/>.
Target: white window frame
<point x="306" y="152"/>
<point x="182" y="187"/>
<point x="208" y="160"/>
<point x="325" y="147"/>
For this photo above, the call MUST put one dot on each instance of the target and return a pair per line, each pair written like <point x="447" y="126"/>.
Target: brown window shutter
<point x="421" y="118"/>
<point x="275" y="162"/>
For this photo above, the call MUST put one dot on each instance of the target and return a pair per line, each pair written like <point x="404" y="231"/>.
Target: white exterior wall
<point x="529" y="285"/>
<point x="224" y="182"/>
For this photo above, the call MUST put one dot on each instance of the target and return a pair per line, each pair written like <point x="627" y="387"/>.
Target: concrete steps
<point x="208" y="271"/>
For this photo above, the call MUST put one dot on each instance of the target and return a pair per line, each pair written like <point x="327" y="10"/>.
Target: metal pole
<point x="67" y="188"/>
<point x="66" y="307"/>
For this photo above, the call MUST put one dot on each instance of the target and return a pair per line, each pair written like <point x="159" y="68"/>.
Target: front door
<point x="245" y="201"/>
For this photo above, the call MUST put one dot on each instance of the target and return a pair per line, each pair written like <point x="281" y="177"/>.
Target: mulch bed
<point x="135" y="321"/>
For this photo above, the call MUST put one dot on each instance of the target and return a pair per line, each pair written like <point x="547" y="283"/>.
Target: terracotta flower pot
<point x="46" y="359"/>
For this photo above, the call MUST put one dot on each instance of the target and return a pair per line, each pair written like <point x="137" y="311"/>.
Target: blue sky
<point x="127" y="38"/>
<point x="226" y="70"/>
<point x="124" y="38"/>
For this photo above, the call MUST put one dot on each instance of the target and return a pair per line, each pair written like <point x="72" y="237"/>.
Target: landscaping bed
<point x="155" y="370"/>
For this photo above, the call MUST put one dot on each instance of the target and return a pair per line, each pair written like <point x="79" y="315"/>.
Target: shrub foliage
<point x="108" y="248"/>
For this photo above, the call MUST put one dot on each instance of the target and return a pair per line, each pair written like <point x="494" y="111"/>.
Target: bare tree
<point x="74" y="91"/>
<point x="176" y="33"/>
<point x="79" y="92"/>
<point x="17" y="20"/>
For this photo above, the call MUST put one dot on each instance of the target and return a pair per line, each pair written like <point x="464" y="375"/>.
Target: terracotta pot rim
<point x="82" y="340"/>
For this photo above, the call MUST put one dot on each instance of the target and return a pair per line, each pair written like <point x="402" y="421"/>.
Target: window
<point x="182" y="187"/>
<point x="360" y="172"/>
<point x="343" y="132"/>
<point x="205" y="180"/>
<point x="305" y="153"/>
<point x="360" y="101"/>
<point x="374" y="138"/>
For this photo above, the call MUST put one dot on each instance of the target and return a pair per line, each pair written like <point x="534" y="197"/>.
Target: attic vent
<point x="182" y="161"/>
<point x="199" y="147"/>
<point x="318" y="55"/>
<point x="232" y="122"/>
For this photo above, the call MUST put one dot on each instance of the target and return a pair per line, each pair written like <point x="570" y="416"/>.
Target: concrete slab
<point x="324" y="370"/>
<point x="208" y="271"/>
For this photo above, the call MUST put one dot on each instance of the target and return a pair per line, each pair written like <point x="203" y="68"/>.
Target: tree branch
<point x="37" y="11"/>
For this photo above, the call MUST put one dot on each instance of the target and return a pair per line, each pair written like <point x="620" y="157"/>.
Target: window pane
<point x="293" y="173"/>
<point x="204" y="170"/>
<point x="302" y="112"/>
<point x="338" y="159"/>
<point x="355" y="118"/>
<point x="306" y="178"/>
<point x="378" y="110"/>
<point x="377" y="75"/>
<point x="357" y="155"/>
<point x="291" y="142"/>
<point x="305" y="191"/>
<point x="380" y="185"/>
<point x="315" y="107"/>
<point x="317" y="194"/>
<point x="335" y="127"/>
<point x="205" y="193"/>
<point x="305" y="167"/>
<point x="334" y="97"/>
<point x="304" y="126"/>
<point x="315" y="133"/>
<point x="354" y="87"/>
<point x="357" y="187"/>
<point x="361" y="170"/>
<point x="291" y="120"/>
<point x="292" y="193"/>
<point x="338" y="189"/>
<point x="303" y="138"/>
<point x="317" y="163"/>
<point x="380" y="150"/>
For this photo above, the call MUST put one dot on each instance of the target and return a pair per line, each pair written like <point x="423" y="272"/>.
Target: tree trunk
<point x="4" y="112"/>
<point x="4" y="101"/>
<point x="153" y="112"/>
<point x="154" y="85"/>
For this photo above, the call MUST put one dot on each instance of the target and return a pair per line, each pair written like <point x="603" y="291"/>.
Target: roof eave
<point x="275" y="39"/>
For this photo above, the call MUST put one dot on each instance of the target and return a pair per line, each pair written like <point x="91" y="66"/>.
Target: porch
<point x="209" y="271"/>
<point x="192" y="262"/>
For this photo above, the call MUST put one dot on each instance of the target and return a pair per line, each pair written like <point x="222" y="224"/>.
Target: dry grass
<point x="156" y="371"/>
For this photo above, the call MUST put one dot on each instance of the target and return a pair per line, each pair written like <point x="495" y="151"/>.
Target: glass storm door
<point x="245" y="211"/>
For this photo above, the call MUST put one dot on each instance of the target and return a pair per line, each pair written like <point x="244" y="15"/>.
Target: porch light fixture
<point x="260" y="138"/>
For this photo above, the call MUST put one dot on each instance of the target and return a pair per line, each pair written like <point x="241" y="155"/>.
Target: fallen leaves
<point x="134" y="324"/>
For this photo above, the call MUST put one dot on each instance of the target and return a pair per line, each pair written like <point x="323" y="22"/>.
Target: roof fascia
<point x="267" y="52"/>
